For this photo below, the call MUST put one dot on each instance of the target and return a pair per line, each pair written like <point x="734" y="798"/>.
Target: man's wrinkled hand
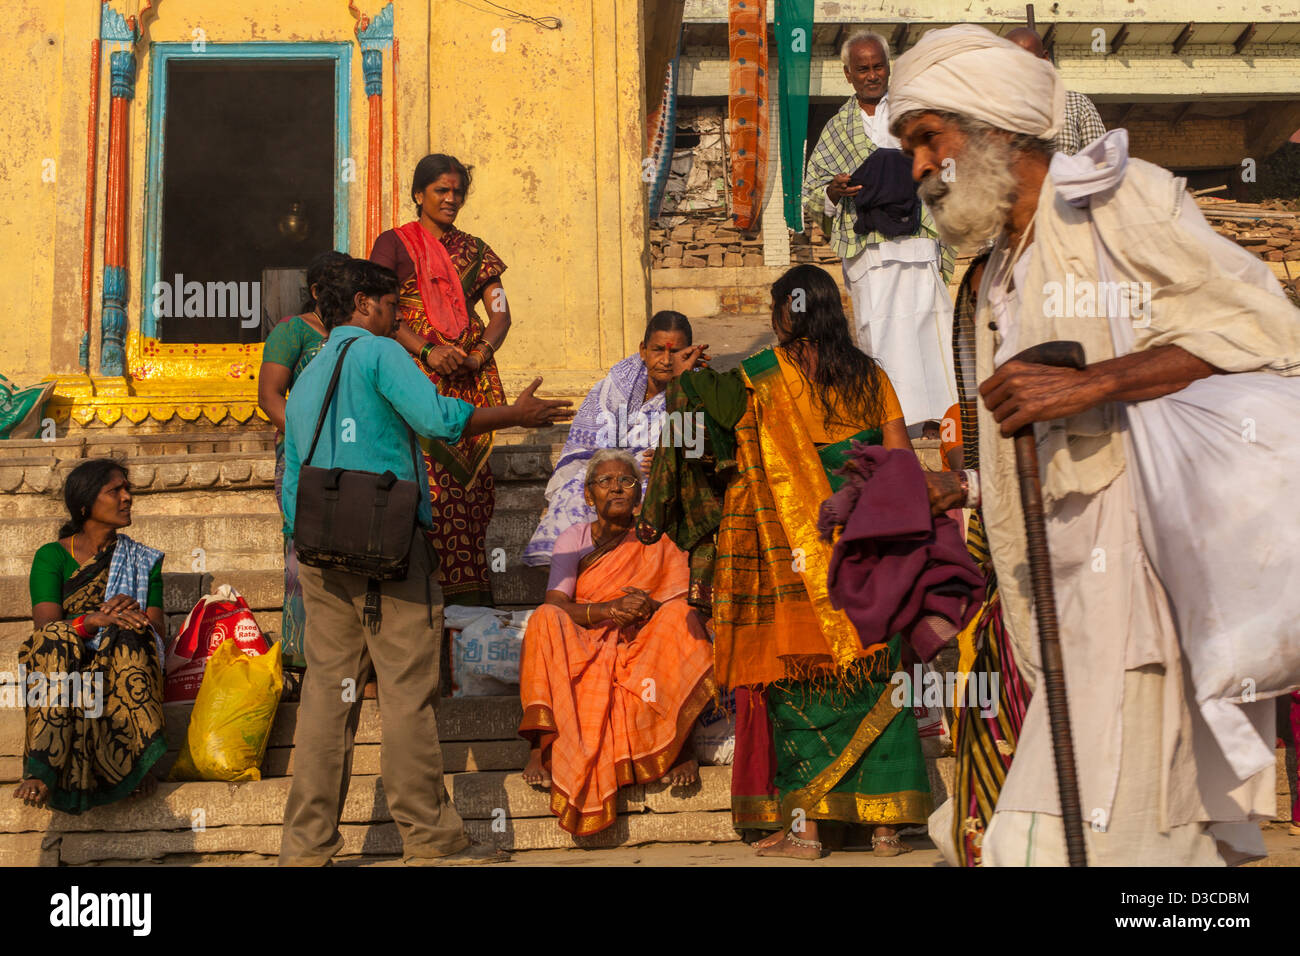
<point x="1021" y="393"/>
<point x="944" y="488"/>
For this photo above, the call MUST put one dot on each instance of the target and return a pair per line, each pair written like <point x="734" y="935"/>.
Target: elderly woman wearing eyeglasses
<point x="616" y="665"/>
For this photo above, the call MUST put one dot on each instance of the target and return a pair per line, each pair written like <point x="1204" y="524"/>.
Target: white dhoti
<point x="1155" y="787"/>
<point x="903" y="317"/>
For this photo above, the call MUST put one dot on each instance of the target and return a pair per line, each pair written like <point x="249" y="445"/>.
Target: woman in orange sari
<point x="444" y="273"/>
<point x="616" y="665"/>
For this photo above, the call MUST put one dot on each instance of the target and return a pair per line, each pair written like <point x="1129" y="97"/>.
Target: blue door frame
<point x="161" y="54"/>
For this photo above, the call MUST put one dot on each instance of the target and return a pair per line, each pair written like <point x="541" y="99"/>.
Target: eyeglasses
<point x="624" y="481"/>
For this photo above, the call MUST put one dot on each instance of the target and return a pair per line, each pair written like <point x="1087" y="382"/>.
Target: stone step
<point x="460" y="719"/>
<point x="13" y="633"/>
<point x="229" y="542"/>
<point x="359" y="840"/>
<point x="496" y="798"/>
<point x="263" y="589"/>
<point x="457" y="757"/>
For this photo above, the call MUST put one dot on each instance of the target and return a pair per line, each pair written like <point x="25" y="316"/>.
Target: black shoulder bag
<point x="355" y="521"/>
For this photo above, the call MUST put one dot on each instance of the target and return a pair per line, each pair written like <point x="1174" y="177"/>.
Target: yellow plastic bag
<point x="232" y="716"/>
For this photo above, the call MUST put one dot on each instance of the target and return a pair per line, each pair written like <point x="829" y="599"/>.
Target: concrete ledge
<point x="545" y="834"/>
<point x="190" y="817"/>
<point x="359" y="840"/>
<point x="456" y="758"/>
<point x="28" y="849"/>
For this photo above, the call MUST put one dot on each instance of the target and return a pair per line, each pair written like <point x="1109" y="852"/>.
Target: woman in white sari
<point x="623" y="410"/>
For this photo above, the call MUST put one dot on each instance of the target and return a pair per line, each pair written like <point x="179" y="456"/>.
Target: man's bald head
<point x="1029" y="40"/>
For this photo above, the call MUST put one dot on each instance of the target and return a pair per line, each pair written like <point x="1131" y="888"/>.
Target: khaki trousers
<point x="405" y="653"/>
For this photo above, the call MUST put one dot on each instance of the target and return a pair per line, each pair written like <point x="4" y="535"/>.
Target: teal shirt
<point x="380" y="392"/>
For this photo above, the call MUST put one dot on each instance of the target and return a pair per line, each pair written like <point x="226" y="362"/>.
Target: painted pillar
<point x="88" y="243"/>
<point x="374" y="34"/>
<point x="112" y="354"/>
<point x="372" y="67"/>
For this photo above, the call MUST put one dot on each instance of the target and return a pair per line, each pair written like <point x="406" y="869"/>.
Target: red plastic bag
<point x="218" y="616"/>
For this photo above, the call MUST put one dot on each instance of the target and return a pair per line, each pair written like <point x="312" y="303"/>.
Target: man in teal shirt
<point x="380" y="393"/>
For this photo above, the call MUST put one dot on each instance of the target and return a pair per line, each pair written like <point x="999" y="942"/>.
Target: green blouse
<point x="53" y="566"/>
<point x="293" y="343"/>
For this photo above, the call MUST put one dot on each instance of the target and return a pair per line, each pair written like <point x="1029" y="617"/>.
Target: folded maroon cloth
<point x="895" y="568"/>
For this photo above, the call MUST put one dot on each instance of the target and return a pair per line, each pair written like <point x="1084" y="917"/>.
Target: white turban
<point x="969" y="70"/>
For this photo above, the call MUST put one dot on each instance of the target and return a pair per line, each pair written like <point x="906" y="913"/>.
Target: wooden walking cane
<point x="1070" y="355"/>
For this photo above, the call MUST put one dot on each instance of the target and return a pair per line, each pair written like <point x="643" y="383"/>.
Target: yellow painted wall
<point x="553" y="125"/>
<point x="37" y="266"/>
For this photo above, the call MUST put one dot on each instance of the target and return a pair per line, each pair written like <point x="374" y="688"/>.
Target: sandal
<point x="888" y="845"/>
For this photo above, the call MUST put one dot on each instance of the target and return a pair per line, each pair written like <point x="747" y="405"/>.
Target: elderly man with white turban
<point x="1165" y="463"/>
<point x="901" y="307"/>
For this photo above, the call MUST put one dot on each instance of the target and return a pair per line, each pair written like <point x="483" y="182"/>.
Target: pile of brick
<point x="697" y="243"/>
<point x="1273" y="234"/>
<point x="811" y="245"/>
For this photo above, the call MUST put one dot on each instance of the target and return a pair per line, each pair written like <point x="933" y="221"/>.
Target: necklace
<point x="73" y="542"/>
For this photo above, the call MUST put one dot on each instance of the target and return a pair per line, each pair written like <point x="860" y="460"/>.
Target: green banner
<point x="793" y="28"/>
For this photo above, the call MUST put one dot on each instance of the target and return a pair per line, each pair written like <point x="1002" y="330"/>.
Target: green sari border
<point x="68" y="801"/>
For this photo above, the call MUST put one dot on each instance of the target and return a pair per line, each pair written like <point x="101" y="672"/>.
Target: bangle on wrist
<point x="589" y="615"/>
<point x="424" y="353"/>
<point x="79" y="623"/>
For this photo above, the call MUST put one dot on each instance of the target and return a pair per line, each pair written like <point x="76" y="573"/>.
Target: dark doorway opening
<point x="248" y="187"/>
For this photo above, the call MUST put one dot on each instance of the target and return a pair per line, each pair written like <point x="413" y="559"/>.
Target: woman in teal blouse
<point x="290" y="347"/>
<point x="91" y="674"/>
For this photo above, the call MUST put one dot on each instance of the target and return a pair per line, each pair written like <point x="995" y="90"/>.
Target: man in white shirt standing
<point x="901" y="305"/>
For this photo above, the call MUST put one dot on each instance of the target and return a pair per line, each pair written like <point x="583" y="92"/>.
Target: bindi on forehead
<point x="667" y="340"/>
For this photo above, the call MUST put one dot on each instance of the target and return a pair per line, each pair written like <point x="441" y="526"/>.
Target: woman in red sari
<point x="444" y="274"/>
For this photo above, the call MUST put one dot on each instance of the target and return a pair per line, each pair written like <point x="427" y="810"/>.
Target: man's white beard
<point x="972" y="209"/>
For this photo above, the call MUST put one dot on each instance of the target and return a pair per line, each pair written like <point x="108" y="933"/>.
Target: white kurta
<point x="901" y="307"/>
<point x="1154" y="786"/>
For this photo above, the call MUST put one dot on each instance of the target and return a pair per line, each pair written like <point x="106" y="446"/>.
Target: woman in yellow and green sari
<point x="444" y="273"/>
<point x="818" y="738"/>
<point x="91" y="673"/>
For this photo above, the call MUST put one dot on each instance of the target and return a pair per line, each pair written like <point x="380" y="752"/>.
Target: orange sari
<point x="612" y="706"/>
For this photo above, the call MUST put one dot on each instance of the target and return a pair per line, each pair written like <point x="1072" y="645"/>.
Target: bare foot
<point x="32" y="792"/>
<point x="147" y="788"/>
<point x="793" y="848"/>
<point x="885" y="842"/>
<point x="683" y="774"/>
<point x="534" y="772"/>
<point x="772" y="839"/>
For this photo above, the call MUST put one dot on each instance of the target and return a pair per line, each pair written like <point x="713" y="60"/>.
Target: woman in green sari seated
<point x="91" y="674"/>
<point x="818" y="738"/>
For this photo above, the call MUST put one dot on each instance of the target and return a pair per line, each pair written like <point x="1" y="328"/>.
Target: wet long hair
<point x="82" y="487"/>
<point x="316" y="272"/>
<point x="431" y="167"/>
<point x="667" y="321"/>
<point x="845" y="374"/>
<point x="342" y="282"/>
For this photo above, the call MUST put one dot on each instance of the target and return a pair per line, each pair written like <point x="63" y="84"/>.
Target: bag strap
<point x="416" y="458"/>
<point x="329" y="398"/>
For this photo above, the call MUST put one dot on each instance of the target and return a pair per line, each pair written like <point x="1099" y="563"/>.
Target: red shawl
<point x="437" y="279"/>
